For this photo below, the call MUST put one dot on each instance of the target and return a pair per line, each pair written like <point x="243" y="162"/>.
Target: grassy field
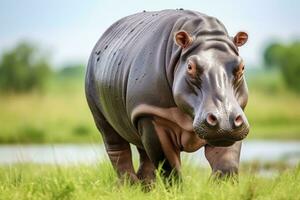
<point x="273" y="110"/>
<point x="30" y="181"/>
<point x="58" y="116"/>
<point x="61" y="114"/>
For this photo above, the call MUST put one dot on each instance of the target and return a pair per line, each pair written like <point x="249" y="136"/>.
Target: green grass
<point x="58" y="116"/>
<point x="273" y="111"/>
<point x="29" y="181"/>
<point x="61" y="114"/>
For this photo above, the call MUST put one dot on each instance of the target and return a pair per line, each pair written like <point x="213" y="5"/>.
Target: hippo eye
<point x="191" y="69"/>
<point x="242" y="67"/>
<point x="239" y="71"/>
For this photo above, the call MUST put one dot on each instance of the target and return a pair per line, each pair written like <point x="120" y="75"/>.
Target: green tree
<point x="290" y="66"/>
<point x="23" y="69"/>
<point x="273" y="55"/>
<point x="287" y="59"/>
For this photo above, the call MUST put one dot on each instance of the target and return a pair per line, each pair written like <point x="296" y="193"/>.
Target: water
<point x="67" y="154"/>
<point x="52" y="154"/>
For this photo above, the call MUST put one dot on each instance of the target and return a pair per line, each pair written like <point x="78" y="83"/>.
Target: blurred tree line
<point x="72" y="71"/>
<point x="286" y="58"/>
<point x="26" y="68"/>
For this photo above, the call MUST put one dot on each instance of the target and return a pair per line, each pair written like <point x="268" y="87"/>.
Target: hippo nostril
<point x="238" y="121"/>
<point x="211" y="119"/>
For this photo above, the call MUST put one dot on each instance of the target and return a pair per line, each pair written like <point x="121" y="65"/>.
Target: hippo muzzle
<point x="220" y="128"/>
<point x="221" y="125"/>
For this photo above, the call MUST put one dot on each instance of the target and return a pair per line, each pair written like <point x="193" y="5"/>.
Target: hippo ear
<point x="240" y="39"/>
<point x="182" y="39"/>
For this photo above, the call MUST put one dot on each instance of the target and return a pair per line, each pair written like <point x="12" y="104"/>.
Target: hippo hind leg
<point x="117" y="148"/>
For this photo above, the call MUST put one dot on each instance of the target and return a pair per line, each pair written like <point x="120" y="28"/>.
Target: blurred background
<point x="45" y="45"/>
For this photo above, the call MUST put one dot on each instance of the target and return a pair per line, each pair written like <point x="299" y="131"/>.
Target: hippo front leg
<point x="158" y="147"/>
<point x="146" y="171"/>
<point x="224" y="161"/>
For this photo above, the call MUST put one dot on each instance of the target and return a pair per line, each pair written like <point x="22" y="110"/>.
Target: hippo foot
<point x="146" y="175"/>
<point x="146" y="171"/>
<point x="146" y="178"/>
<point x="228" y="176"/>
<point x="128" y="178"/>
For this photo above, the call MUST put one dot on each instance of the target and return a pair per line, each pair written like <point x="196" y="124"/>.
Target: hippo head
<point x="209" y="86"/>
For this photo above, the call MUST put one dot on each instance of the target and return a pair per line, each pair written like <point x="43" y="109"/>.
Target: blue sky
<point x="69" y="29"/>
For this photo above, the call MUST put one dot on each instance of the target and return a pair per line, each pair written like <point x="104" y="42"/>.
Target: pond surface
<point x="66" y="154"/>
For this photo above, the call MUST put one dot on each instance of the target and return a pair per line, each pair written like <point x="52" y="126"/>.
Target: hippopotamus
<point x="166" y="82"/>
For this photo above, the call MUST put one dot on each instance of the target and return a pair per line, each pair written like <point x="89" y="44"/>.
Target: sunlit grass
<point x="29" y="181"/>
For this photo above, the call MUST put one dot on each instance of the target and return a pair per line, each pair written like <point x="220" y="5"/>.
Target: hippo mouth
<point x="224" y="140"/>
<point x="221" y="138"/>
<point x="221" y="142"/>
